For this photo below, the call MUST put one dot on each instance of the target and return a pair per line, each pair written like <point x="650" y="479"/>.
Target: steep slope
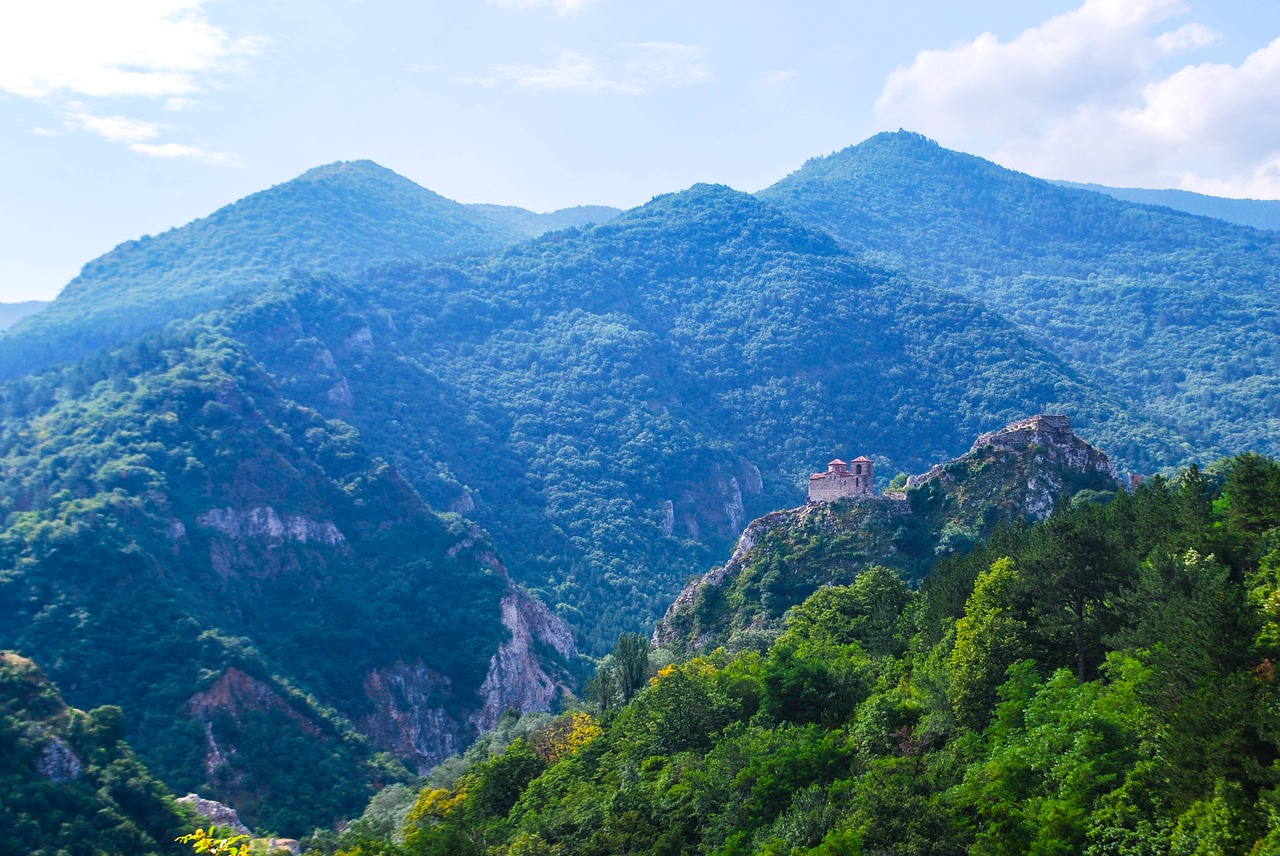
<point x="1174" y="312"/>
<point x="1020" y="472"/>
<point x="341" y="217"/>
<point x="270" y="605"/>
<point x="70" y="783"/>
<point x="614" y="404"/>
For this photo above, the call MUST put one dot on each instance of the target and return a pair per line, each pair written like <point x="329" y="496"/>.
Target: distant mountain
<point x="1021" y="472"/>
<point x="339" y="218"/>
<point x="12" y="313"/>
<point x="614" y="404"/>
<point x="1258" y="213"/>
<point x="1175" y="313"/>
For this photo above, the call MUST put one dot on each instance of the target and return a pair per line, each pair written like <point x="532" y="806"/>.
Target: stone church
<point x="842" y="480"/>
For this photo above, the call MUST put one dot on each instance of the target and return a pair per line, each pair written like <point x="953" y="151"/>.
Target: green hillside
<point x="1173" y="312"/>
<point x="268" y="604"/>
<point x="342" y="217"/>
<point x="1102" y="682"/>
<point x="614" y="404"/>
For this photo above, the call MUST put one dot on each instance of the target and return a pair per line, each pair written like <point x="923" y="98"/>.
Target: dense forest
<point x="614" y="404"/>
<point x="176" y="531"/>
<point x="340" y="218"/>
<point x="69" y="784"/>
<point x="1174" y="312"/>
<point x="313" y="504"/>
<point x="1101" y="682"/>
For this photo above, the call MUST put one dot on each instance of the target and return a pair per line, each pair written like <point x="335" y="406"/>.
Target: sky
<point x="120" y="118"/>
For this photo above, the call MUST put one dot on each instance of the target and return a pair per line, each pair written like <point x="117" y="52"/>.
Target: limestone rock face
<point x="517" y="679"/>
<point x="215" y="812"/>
<point x="416" y="714"/>
<point x="57" y="763"/>
<point x="410" y="716"/>
<point x="269" y="524"/>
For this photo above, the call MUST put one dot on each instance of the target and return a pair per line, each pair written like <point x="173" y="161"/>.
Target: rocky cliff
<point x="415" y="712"/>
<point x="1022" y="470"/>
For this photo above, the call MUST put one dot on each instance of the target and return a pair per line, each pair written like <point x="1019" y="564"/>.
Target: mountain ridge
<point x="1170" y="310"/>
<point x="339" y="217"/>
<point x="1018" y="473"/>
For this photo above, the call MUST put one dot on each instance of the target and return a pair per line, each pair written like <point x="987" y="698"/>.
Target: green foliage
<point x="130" y="562"/>
<point x="70" y="784"/>
<point x="1167" y="310"/>
<point x="341" y="218"/>
<point x="838" y="740"/>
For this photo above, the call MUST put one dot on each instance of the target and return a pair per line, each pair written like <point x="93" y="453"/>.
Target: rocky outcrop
<point x="215" y="812"/>
<point x="410" y="716"/>
<point x="1046" y="453"/>
<point x="1022" y="470"/>
<point x="57" y="763"/>
<point x="416" y="714"/>
<point x="267" y="523"/>
<point x="518" y="679"/>
<point x="234" y="694"/>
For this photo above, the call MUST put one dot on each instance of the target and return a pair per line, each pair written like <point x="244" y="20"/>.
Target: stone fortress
<point x="843" y="480"/>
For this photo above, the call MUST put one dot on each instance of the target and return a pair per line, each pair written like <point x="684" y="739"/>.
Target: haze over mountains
<point x="320" y="433"/>
<point x="339" y="218"/>
<point x="1258" y="213"/>
<point x="12" y="313"/>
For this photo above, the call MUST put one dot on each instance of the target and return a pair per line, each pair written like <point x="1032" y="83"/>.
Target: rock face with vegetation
<point x="1018" y="473"/>
<point x="241" y="577"/>
<point x="69" y="782"/>
<point x="1098" y="682"/>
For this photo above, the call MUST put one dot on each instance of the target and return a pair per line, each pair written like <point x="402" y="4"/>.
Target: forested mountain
<point x="1258" y="213"/>
<point x="1174" y="312"/>
<point x="613" y="404"/>
<point x="12" y="313"/>
<point x="1102" y="682"/>
<point x="319" y="487"/>
<point x="270" y="606"/>
<point x="341" y="217"/>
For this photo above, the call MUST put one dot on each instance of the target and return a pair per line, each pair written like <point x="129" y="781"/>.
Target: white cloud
<point x="561" y="7"/>
<point x="641" y="68"/>
<point x="1188" y="37"/>
<point x="179" y="150"/>
<point x="1084" y="96"/>
<point x="115" y="129"/>
<point x="65" y="53"/>
<point x="148" y="48"/>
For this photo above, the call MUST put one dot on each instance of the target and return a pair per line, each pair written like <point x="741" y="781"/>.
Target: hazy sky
<point x="125" y="117"/>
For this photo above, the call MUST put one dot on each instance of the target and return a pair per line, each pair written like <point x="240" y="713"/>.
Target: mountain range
<point x="353" y="469"/>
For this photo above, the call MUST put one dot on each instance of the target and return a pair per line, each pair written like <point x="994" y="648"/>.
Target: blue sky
<point x="129" y="117"/>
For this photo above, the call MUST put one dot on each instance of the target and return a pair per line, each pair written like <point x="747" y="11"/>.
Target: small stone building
<point x="843" y="480"/>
